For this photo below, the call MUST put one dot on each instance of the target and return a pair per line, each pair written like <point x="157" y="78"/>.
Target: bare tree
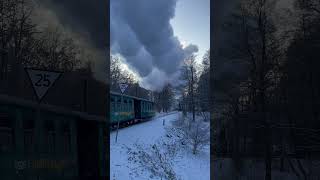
<point x="117" y="74"/>
<point x="196" y="135"/>
<point x="156" y="158"/>
<point x="189" y="75"/>
<point x="31" y="46"/>
<point x="16" y="32"/>
<point x="55" y="51"/>
<point x="164" y="99"/>
<point x="203" y="102"/>
<point x="256" y="54"/>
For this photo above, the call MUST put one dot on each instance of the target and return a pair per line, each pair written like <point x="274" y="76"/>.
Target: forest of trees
<point x="22" y="39"/>
<point x="163" y="98"/>
<point x="266" y="84"/>
<point x="194" y="88"/>
<point x="25" y="42"/>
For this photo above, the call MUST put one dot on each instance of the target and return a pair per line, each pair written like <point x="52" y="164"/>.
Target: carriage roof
<point x="133" y="97"/>
<point x="15" y="101"/>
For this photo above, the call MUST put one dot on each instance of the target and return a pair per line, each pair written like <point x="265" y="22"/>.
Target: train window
<point x="115" y="104"/>
<point x="66" y="137"/>
<point x="28" y="126"/>
<point x="112" y="104"/>
<point x="6" y="131"/>
<point x="50" y="136"/>
<point x="130" y="104"/>
<point x="5" y="117"/>
<point x="125" y="106"/>
<point x="142" y="106"/>
<point x="119" y="105"/>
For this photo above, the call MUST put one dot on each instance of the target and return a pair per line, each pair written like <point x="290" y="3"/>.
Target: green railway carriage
<point x="129" y="109"/>
<point x="147" y="109"/>
<point x="122" y="108"/>
<point x="49" y="142"/>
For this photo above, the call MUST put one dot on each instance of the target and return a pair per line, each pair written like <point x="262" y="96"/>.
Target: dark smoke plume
<point x="141" y="32"/>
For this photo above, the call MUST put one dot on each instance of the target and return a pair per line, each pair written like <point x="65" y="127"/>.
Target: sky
<point x="153" y="37"/>
<point x="192" y="23"/>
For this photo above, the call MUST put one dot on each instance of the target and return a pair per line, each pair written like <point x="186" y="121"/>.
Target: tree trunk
<point x="194" y="149"/>
<point x="192" y="96"/>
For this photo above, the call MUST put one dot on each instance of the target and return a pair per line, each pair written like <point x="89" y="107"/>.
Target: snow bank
<point x="186" y="165"/>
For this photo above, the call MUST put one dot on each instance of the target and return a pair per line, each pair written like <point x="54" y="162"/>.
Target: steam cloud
<point x="85" y="21"/>
<point x="141" y="32"/>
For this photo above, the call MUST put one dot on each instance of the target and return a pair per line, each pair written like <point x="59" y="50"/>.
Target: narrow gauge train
<point x="129" y="109"/>
<point x="42" y="141"/>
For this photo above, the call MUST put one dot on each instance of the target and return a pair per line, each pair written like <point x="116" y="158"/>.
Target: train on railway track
<point x="42" y="141"/>
<point x="127" y="110"/>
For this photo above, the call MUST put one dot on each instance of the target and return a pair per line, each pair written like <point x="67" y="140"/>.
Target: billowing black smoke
<point x="141" y="32"/>
<point x="86" y="20"/>
<point x="84" y="17"/>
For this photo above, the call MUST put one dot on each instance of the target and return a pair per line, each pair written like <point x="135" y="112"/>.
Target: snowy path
<point x="187" y="165"/>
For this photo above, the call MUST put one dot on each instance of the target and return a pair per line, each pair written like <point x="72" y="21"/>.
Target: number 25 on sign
<point x="42" y="80"/>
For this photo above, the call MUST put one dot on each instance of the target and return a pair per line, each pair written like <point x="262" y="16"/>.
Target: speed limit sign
<point x="42" y="80"/>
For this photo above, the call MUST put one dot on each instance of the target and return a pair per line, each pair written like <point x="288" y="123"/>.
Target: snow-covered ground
<point x="252" y="168"/>
<point x="186" y="165"/>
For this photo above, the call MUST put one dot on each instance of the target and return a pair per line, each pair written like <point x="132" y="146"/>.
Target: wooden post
<point x="118" y="117"/>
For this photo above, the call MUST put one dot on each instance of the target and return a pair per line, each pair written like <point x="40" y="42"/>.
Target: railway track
<point x="166" y="114"/>
<point x="138" y="121"/>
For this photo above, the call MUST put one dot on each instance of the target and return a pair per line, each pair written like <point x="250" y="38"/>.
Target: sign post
<point x="123" y="86"/>
<point x="42" y="80"/>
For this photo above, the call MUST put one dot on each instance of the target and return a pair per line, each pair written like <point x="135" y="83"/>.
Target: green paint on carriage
<point x="124" y="108"/>
<point x="147" y="110"/>
<point x="28" y="151"/>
